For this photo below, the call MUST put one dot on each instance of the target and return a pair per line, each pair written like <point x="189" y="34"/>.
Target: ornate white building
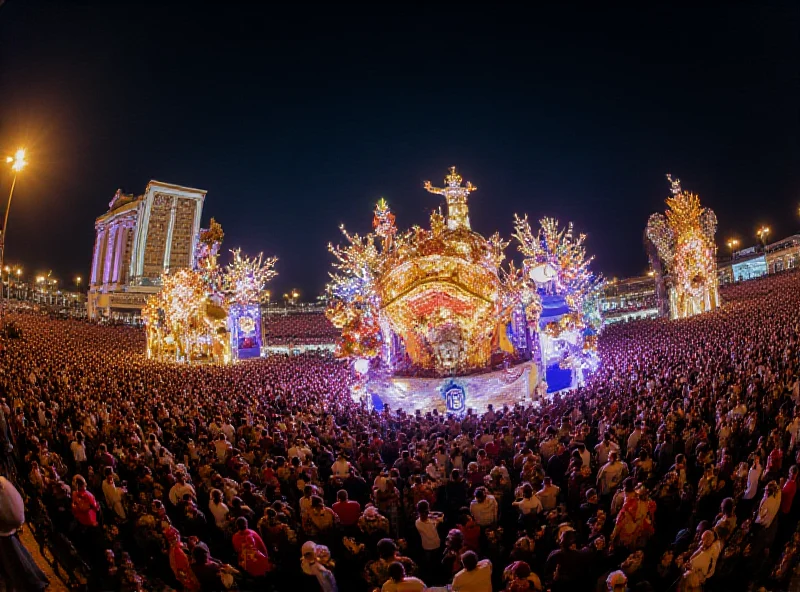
<point x="138" y="239"/>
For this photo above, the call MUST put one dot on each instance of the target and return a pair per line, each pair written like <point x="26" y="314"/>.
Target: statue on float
<point x="684" y="241"/>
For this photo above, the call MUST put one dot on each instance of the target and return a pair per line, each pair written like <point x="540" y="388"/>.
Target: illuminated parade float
<point x="556" y="264"/>
<point x="684" y="242"/>
<point x="209" y="313"/>
<point x="431" y="319"/>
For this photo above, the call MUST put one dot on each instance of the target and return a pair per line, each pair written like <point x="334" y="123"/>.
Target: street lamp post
<point x="18" y="163"/>
<point x="732" y="244"/>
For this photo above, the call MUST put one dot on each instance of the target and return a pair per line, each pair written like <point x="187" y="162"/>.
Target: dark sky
<point x="297" y="121"/>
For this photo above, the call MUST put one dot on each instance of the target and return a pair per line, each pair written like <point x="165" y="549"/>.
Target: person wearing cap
<point x="399" y="582"/>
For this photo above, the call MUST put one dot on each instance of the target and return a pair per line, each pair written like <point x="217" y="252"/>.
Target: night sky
<point x="297" y="121"/>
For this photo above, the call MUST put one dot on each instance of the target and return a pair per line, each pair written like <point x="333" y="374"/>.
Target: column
<point x="102" y="245"/>
<point x="140" y="237"/>
<point x="198" y="211"/>
<point x="109" y="258"/>
<point x="168" y="246"/>
<point x="119" y="248"/>
<point x="95" y="256"/>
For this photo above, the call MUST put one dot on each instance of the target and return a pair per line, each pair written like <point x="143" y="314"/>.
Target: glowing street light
<point x="762" y="234"/>
<point x="17" y="163"/>
<point x="78" y="281"/>
<point x="732" y="244"/>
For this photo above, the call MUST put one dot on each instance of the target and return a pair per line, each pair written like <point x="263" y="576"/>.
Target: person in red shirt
<point x="84" y="505"/>
<point x="774" y="464"/>
<point x="242" y="532"/>
<point x="493" y="448"/>
<point x="788" y="490"/>
<point x="347" y="509"/>
<point x="105" y="458"/>
<point x="470" y="529"/>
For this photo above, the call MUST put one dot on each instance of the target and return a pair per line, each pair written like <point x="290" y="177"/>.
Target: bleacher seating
<point x="298" y="328"/>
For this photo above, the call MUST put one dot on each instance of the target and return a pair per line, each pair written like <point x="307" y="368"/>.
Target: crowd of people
<point x="675" y="468"/>
<point x="298" y="328"/>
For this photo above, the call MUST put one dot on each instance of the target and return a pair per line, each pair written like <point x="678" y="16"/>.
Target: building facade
<point x="629" y="299"/>
<point x="138" y="239"/>
<point x="783" y="254"/>
<point x="756" y="261"/>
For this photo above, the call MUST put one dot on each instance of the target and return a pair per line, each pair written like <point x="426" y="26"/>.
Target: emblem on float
<point x="455" y="397"/>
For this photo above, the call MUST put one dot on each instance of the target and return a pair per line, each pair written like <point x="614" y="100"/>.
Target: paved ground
<point x="56" y="585"/>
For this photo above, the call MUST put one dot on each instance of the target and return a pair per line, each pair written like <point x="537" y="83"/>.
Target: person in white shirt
<point x="611" y="474"/>
<point x="78" y="448"/>
<point x="529" y="503"/>
<point x="113" y="494"/>
<point x="180" y="489"/>
<point x="228" y="430"/>
<point x="476" y="575"/>
<point x="753" y="477"/>
<point x="793" y="429"/>
<point x="704" y="561"/>
<point x="222" y="446"/>
<point x="605" y="448"/>
<point x="218" y="509"/>
<point x="770" y="504"/>
<point x="341" y="468"/>
<point x="300" y="450"/>
<point x="633" y="440"/>
<point x="548" y="494"/>
<point x="427" y="528"/>
<point x="399" y="582"/>
<point x="586" y="457"/>
<point x="484" y="508"/>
